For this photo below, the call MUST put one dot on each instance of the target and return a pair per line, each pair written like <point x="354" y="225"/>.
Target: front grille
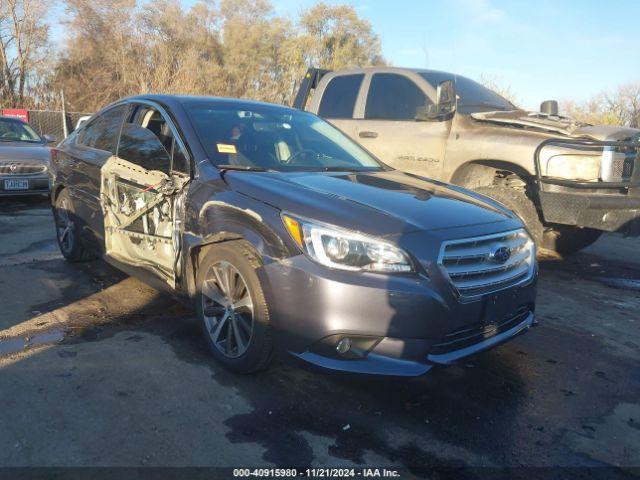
<point x="623" y="167"/>
<point x="618" y="163"/>
<point x="480" y="265"/>
<point x="470" y="335"/>
<point x="22" y="168"/>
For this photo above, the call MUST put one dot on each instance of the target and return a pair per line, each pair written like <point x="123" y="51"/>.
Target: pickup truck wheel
<point x="567" y="240"/>
<point x="67" y="232"/>
<point x="232" y="308"/>
<point x="518" y="202"/>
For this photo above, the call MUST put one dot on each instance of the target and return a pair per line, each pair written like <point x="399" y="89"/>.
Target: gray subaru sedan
<point x="24" y="159"/>
<point x="287" y="236"/>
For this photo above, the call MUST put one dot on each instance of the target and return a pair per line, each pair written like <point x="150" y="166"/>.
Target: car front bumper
<point x="37" y="185"/>
<point x="408" y="322"/>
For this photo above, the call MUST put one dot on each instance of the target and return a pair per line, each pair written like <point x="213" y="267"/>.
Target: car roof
<point x="174" y="100"/>
<point x="12" y="119"/>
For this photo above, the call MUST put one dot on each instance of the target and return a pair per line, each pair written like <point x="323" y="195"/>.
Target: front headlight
<point x="337" y="248"/>
<point x="574" y="167"/>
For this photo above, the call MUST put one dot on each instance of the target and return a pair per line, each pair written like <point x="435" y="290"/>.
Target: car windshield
<point x="16" y="131"/>
<point x="274" y="138"/>
<point x="472" y="97"/>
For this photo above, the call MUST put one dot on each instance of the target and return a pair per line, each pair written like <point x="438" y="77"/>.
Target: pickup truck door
<point x="338" y="102"/>
<point x="389" y="129"/>
<point x="142" y="194"/>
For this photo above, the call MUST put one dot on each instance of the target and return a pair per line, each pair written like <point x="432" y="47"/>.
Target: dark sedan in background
<point x="287" y="235"/>
<point x="24" y="159"/>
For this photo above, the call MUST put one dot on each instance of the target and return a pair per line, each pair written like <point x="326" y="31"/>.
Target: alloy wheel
<point x="65" y="227"/>
<point x="228" y="309"/>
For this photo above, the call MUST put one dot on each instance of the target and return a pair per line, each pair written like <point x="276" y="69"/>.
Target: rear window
<point x="340" y="95"/>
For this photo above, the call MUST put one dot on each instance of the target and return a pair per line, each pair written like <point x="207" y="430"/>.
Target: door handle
<point x="366" y="134"/>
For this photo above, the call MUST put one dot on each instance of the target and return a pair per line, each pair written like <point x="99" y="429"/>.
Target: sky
<point x="541" y="49"/>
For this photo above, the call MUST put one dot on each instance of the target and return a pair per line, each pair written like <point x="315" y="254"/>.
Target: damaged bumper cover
<point x="610" y="203"/>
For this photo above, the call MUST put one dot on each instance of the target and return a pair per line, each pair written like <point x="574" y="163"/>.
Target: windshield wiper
<point x="350" y="169"/>
<point x="245" y="168"/>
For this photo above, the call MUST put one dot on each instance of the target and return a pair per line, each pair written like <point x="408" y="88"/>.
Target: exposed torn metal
<point x="139" y="209"/>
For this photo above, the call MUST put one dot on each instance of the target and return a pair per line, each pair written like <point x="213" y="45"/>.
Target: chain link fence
<point x="50" y="122"/>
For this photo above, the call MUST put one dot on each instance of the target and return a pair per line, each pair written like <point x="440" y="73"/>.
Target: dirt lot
<point x="99" y="369"/>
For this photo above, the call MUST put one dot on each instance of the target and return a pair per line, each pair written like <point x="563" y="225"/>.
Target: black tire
<point x="257" y="353"/>
<point x="67" y="233"/>
<point x="518" y="202"/>
<point x="566" y="239"/>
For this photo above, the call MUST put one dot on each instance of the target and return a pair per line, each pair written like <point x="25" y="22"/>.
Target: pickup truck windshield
<point x="473" y="97"/>
<point x="15" y="131"/>
<point x="273" y="138"/>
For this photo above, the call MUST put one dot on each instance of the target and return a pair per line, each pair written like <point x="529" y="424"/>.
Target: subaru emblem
<point x="501" y="254"/>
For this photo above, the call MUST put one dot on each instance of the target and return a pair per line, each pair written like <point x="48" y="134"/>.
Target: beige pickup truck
<point x="569" y="181"/>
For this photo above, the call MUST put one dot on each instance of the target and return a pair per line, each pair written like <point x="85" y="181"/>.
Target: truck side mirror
<point x="549" y="107"/>
<point x="444" y="106"/>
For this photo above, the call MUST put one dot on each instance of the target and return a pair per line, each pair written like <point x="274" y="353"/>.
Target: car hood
<point x="382" y="203"/>
<point x="556" y="124"/>
<point x="23" y="152"/>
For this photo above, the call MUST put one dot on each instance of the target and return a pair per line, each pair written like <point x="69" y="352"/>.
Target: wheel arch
<point x="56" y="192"/>
<point x="482" y="173"/>
<point x="223" y="224"/>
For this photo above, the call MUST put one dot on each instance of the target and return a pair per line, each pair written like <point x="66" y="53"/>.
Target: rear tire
<point x="67" y="232"/>
<point x="519" y="203"/>
<point x="566" y="239"/>
<point x="232" y="308"/>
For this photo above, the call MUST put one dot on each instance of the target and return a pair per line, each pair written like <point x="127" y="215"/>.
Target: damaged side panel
<point x="139" y="206"/>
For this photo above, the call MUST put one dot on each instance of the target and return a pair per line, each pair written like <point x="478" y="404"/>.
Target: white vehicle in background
<point x="82" y="120"/>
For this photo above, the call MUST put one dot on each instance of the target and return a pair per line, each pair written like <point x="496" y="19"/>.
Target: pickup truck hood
<point x="23" y="152"/>
<point x="556" y="124"/>
<point x="381" y="203"/>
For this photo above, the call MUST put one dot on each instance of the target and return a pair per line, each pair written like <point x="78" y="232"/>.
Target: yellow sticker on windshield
<point x="226" y="148"/>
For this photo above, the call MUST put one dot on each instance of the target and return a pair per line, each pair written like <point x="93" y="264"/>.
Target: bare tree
<point x="237" y="48"/>
<point x="497" y="85"/>
<point x="23" y="48"/>
<point x="618" y="107"/>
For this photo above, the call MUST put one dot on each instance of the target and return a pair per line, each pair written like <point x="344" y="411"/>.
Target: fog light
<point x="343" y="345"/>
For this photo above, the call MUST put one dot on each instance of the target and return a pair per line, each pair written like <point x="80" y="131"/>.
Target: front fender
<point x="233" y="216"/>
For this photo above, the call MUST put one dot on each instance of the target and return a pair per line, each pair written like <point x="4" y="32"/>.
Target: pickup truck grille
<point x="9" y="168"/>
<point x="623" y="168"/>
<point x="480" y="265"/>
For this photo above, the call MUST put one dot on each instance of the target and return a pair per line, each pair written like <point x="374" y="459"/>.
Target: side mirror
<point x="50" y="139"/>
<point x="549" y="107"/>
<point x="445" y="103"/>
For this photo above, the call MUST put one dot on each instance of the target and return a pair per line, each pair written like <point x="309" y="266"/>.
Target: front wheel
<point x="519" y="203"/>
<point x="232" y="308"/>
<point x="566" y="240"/>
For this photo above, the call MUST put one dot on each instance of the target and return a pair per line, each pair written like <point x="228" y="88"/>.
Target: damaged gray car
<point x="287" y="236"/>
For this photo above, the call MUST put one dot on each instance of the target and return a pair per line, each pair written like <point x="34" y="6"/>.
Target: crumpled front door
<point x="139" y="216"/>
